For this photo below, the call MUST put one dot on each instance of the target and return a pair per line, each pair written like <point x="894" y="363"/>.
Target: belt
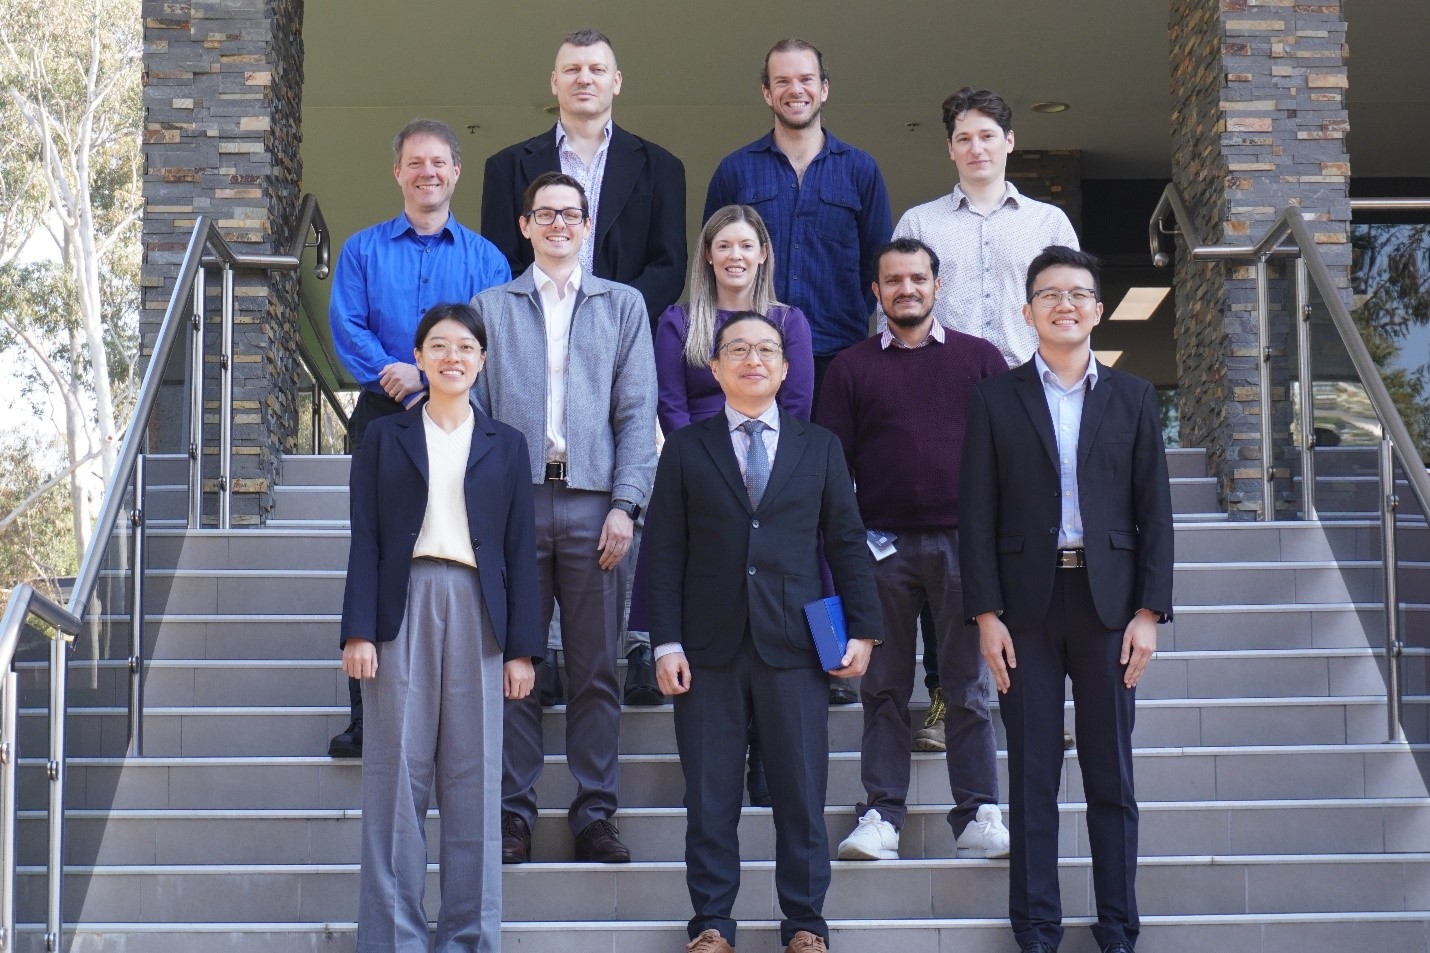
<point x="1072" y="559"/>
<point x="443" y="561"/>
<point x="556" y="471"/>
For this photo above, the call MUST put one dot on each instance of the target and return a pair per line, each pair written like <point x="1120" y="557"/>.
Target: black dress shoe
<point x="841" y="694"/>
<point x="640" y="678"/>
<point x="1036" y="947"/>
<point x="549" y="679"/>
<point x="347" y="743"/>
<point x="599" y="843"/>
<point x="515" y="839"/>
<point x="1121" y="946"/>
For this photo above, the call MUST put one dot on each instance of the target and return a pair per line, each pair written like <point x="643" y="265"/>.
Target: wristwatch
<point x="632" y="510"/>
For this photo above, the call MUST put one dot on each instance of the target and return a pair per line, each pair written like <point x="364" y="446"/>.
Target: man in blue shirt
<point x="388" y="275"/>
<point x="823" y="201"/>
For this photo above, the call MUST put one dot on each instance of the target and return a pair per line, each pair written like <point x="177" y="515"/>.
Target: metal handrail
<point x="206" y="247"/>
<point x="1396" y="443"/>
<point x="323" y="391"/>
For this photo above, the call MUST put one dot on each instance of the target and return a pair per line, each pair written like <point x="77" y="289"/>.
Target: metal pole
<point x="1307" y="394"/>
<point x="1263" y="338"/>
<point x="1389" y="503"/>
<point x="317" y="418"/>
<point x="225" y="414"/>
<point x="9" y="762"/>
<point x="136" y="609"/>
<point x="58" y="684"/>
<point x="196" y="405"/>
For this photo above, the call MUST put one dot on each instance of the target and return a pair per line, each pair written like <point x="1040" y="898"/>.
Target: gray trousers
<point x="433" y="719"/>
<point x="568" y="526"/>
<point x="925" y="567"/>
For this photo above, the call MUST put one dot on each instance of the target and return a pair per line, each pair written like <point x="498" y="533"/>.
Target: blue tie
<point x="757" y="462"/>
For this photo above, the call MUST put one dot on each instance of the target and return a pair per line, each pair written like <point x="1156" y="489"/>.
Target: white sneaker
<point x="872" y="839"/>
<point x="985" y="835"/>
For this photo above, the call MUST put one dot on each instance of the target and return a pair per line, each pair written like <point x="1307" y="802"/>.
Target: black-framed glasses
<point x="547" y="216"/>
<point x="1052" y="297"/>
<point x="739" y="350"/>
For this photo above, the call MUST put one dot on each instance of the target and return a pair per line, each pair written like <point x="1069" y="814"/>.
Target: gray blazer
<point x="610" y="382"/>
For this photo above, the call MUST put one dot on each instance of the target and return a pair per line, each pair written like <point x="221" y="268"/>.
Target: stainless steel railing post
<point x="1263" y="352"/>
<point x="196" y="405"/>
<point x="59" y="660"/>
<point x="1306" y="392"/>
<point x="9" y="761"/>
<point x="1389" y="504"/>
<point x="136" y="609"/>
<point x="225" y="412"/>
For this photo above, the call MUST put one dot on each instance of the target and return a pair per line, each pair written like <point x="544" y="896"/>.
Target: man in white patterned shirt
<point x="985" y="231"/>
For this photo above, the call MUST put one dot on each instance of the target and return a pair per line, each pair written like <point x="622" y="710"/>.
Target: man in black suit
<point x="739" y="505"/>
<point x="1066" y="553"/>
<point x="636" y="189"/>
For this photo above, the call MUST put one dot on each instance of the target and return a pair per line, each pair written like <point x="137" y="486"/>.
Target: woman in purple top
<point x="733" y="271"/>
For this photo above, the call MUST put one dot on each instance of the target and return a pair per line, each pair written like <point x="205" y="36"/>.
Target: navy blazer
<point x="640" y="223"/>
<point x="1010" y="499"/>
<point x="715" y="564"/>
<point x="389" y="498"/>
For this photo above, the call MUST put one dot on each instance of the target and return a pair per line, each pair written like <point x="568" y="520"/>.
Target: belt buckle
<point x="1072" y="559"/>
<point x="556" y="471"/>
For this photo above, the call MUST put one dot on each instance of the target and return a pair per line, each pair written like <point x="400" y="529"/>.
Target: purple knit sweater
<point x="901" y="416"/>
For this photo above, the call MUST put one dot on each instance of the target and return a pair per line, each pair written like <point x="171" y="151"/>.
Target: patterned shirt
<point x="888" y="339"/>
<point x="983" y="262"/>
<point x="825" y="229"/>
<point x="590" y="178"/>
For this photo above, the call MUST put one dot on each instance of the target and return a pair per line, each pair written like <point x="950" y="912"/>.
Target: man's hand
<point x="615" y="539"/>
<point x="360" y="658"/>
<point x="518" y="676"/>
<point x="672" y="673"/>
<point x="399" y="380"/>
<point x="855" y="660"/>
<point x="1139" y="644"/>
<point x="997" y="646"/>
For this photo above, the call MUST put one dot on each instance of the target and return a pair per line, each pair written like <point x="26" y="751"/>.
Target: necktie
<point x="757" y="461"/>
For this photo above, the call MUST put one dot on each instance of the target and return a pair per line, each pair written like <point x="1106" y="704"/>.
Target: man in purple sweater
<point x="898" y="402"/>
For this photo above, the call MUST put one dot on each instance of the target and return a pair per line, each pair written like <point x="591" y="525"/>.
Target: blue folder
<point x="826" y="626"/>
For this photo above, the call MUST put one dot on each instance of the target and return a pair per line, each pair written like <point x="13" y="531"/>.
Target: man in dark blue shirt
<point x="823" y="201"/>
<point x="388" y="275"/>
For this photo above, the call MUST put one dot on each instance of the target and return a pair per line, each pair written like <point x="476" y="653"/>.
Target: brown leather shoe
<point x="709" y="942"/>
<point x="515" y="839"/>
<point x="599" y="843"/>
<point x="806" y="942"/>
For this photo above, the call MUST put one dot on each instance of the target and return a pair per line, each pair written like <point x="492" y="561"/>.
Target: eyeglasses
<point x="1051" y="297"/>
<point x="738" y="351"/>
<point x="440" y="351"/>
<point x="547" y="216"/>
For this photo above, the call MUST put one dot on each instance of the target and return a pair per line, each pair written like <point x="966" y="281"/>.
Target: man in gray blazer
<point x="570" y="365"/>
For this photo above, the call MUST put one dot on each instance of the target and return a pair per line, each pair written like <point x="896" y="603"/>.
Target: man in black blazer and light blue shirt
<point x="740" y="503"/>
<point x="636" y="189"/>
<point x="1066" y="553"/>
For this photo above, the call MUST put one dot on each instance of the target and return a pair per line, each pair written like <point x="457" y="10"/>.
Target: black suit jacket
<point x="640" y="223"/>
<point x="715" y="564"/>
<point x="389" y="499"/>
<point x="1010" y="499"/>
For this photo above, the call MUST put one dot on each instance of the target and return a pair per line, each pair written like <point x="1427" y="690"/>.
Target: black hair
<point x="905" y="245"/>
<point x="739" y="316"/>
<point x="1055" y="256"/>
<point x="528" y="199"/>
<point x="986" y="101"/>
<point x="464" y="314"/>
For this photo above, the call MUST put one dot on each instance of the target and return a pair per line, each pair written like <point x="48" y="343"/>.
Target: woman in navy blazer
<point x="440" y="624"/>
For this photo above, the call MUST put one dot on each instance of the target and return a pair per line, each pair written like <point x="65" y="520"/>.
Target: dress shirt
<point x="386" y="279"/>
<point x="741" y="443"/>
<point x="984" y="262"/>
<point x="1065" y="407"/>
<point x="444" y="523"/>
<point x="888" y="339"/>
<point x="557" y="310"/>
<point x="590" y="177"/>
<point x="825" y="229"/>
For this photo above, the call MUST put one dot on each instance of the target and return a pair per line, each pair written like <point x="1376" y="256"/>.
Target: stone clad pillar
<point x="222" y="101"/>
<point x="1258" y="123"/>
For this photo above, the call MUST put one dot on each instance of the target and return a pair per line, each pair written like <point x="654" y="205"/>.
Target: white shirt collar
<point x="771" y="417"/>
<point x="543" y="281"/>
<point x="561" y="133"/>
<point x="1046" y="375"/>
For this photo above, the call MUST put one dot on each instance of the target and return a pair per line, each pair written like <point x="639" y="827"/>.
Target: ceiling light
<point x="1139" y="304"/>
<point x="1107" y="358"/>
<point x="1051" y="106"/>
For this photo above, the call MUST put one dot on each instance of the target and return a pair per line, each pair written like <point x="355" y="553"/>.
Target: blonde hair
<point x="700" y="311"/>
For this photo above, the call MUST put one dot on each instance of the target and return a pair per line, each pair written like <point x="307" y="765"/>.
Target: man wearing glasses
<point x="739" y="506"/>
<point x="571" y="367"/>
<point x="1066" y="548"/>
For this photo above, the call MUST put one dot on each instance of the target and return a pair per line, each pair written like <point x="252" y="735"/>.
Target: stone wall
<point x="1258" y="123"/>
<point x="223" y="81"/>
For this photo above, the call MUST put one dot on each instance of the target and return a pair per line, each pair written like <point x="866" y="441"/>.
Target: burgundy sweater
<point x="901" y="416"/>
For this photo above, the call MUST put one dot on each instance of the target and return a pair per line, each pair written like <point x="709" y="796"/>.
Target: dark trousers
<point x="924" y="571"/>
<point x="790" y="709"/>
<point x="1071" y="642"/>
<point x="369" y="407"/>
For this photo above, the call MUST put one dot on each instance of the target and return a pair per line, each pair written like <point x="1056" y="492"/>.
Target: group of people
<point x="505" y="466"/>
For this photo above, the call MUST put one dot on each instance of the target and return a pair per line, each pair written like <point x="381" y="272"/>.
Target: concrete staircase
<point x="1275" y="815"/>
